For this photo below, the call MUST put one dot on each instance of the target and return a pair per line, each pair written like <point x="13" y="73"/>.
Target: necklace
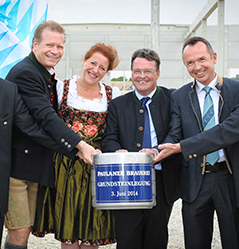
<point x="84" y="88"/>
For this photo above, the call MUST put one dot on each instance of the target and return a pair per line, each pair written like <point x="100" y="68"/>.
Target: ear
<point x="34" y="45"/>
<point x="158" y="74"/>
<point x="214" y="57"/>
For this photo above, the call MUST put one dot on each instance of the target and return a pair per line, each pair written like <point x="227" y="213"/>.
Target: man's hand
<point x="121" y="150"/>
<point x="167" y="150"/>
<point x="152" y="151"/>
<point x="86" y="152"/>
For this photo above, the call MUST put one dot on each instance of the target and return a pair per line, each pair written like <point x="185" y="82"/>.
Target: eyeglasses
<point x="146" y="71"/>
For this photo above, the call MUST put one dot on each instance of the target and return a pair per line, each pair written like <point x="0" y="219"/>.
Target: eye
<point x="147" y="71"/>
<point x="102" y="68"/>
<point x="60" y="47"/>
<point x="136" y="71"/>
<point x="93" y="63"/>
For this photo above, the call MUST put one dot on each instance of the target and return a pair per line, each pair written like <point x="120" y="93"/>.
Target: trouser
<point x="217" y="193"/>
<point x="21" y="204"/>
<point x="145" y="228"/>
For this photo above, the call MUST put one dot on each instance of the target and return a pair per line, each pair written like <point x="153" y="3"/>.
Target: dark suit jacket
<point x="187" y="122"/>
<point x="13" y="113"/>
<point x="226" y="135"/>
<point x="31" y="161"/>
<point x="124" y="130"/>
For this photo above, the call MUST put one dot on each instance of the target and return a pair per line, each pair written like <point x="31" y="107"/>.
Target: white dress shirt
<point x="215" y="97"/>
<point x="154" y="139"/>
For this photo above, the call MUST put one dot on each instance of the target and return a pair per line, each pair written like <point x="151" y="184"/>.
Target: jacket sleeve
<point x="26" y="124"/>
<point x="30" y="85"/>
<point x="175" y="126"/>
<point x="220" y="136"/>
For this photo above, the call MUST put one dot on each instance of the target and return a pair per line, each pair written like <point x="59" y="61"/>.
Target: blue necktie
<point x="147" y="132"/>
<point x="209" y="121"/>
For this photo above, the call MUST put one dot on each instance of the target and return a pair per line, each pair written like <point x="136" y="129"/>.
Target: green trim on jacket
<point x="154" y="96"/>
<point x="41" y="68"/>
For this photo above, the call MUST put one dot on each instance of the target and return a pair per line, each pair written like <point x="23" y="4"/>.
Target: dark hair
<point x="52" y="26"/>
<point x="148" y="54"/>
<point x="108" y="51"/>
<point x="193" y="40"/>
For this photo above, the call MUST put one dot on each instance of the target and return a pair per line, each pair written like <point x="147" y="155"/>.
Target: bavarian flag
<point x="18" y="21"/>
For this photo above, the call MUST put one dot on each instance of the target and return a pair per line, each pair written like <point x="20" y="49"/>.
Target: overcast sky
<point x="135" y="11"/>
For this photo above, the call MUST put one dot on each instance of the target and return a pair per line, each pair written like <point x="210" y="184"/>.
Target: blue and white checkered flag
<point x="18" y="21"/>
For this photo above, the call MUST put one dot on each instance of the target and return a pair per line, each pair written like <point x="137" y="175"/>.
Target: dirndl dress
<point x="66" y="210"/>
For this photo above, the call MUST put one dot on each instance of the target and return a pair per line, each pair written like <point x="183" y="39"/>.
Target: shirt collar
<point x="200" y="86"/>
<point x="51" y="71"/>
<point x="139" y="96"/>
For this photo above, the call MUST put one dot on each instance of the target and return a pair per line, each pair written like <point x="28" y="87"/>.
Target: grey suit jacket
<point x="187" y="122"/>
<point x="124" y="130"/>
<point x="226" y="135"/>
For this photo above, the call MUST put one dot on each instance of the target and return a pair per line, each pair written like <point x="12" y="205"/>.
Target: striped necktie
<point x="147" y="132"/>
<point x="209" y="122"/>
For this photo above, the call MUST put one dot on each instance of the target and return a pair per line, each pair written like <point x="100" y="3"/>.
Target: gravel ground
<point x="175" y="235"/>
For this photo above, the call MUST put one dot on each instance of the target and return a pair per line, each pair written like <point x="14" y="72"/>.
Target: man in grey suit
<point x="204" y="187"/>
<point x="143" y="228"/>
<point x="225" y="135"/>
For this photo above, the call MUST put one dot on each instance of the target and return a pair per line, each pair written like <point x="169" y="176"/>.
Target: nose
<point x="142" y="72"/>
<point x="95" y="69"/>
<point x="197" y="65"/>
<point x="54" y="50"/>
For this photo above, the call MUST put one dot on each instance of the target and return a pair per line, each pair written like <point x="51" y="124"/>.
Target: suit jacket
<point x="31" y="161"/>
<point x="187" y="122"/>
<point x="13" y="113"/>
<point x="124" y="130"/>
<point x="225" y="135"/>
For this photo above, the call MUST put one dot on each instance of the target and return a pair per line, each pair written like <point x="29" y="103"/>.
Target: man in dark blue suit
<point x="14" y="114"/>
<point x="143" y="228"/>
<point x="32" y="164"/>
<point x="204" y="187"/>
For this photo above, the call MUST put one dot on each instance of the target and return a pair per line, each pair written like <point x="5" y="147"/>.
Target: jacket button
<point x="141" y="111"/>
<point x="138" y="145"/>
<point x="195" y="155"/>
<point x="26" y="151"/>
<point x="62" y="140"/>
<point x="69" y="146"/>
<point x="49" y="86"/>
<point x="66" y="143"/>
<point x="5" y="122"/>
<point x="141" y="128"/>
<point x="190" y="156"/>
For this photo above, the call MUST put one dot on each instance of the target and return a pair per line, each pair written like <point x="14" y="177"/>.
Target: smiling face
<point x="50" y="49"/>
<point x="94" y="69"/>
<point x="145" y="84"/>
<point x="200" y="63"/>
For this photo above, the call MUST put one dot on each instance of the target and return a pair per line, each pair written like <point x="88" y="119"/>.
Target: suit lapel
<point x="195" y="106"/>
<point x="221" y="100"/>
<point x="159" y="114"/>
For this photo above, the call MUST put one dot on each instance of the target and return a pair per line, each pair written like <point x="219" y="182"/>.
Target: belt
<point x="216" y="167"/>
